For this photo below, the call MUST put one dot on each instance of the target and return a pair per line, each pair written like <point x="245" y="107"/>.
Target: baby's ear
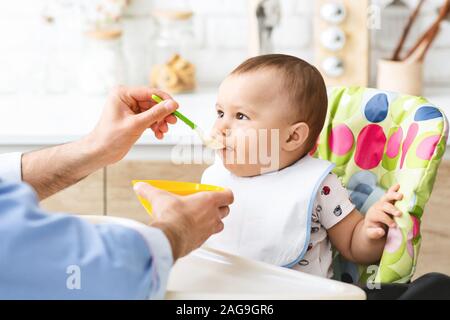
<point x="296" y="136"/>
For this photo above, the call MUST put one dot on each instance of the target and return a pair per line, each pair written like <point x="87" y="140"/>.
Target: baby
<point x="289" y="208"/>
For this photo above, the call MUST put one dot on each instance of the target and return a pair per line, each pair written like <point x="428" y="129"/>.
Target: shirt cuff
<point x="11" y="167"/>
<point x="347" y="207"/>
<point x="160" y="251"/>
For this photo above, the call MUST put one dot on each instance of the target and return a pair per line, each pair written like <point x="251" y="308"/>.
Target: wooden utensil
<point x="420" y="49"/>
<point x="411" y="20"/>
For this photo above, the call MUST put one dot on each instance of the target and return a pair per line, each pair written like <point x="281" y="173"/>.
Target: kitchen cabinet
<point x="110" y="192"/>
<point x="85" y="197"/>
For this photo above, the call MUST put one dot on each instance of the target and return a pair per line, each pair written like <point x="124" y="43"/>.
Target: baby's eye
<point x="219" y="114"/>
<point x="241" y="116"/>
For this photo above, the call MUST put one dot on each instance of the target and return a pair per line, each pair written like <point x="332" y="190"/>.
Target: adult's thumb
<point x="150" y="193"/>
<point x="157" y="113"/>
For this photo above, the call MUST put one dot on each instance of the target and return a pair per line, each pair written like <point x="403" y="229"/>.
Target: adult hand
<point x="187" y="221"/>
<point x="128" y="112"/>
<point x="126" y="115"/>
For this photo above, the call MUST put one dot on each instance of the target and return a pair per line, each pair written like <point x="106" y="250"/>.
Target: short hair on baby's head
<point x="304" y="85"/>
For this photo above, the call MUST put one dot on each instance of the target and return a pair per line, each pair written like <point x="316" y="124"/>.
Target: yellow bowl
<point x="175" y="187"/>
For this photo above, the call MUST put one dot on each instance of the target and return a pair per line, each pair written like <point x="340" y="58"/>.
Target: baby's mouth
<point x="222" y="143"/>
<point x="227" y="148"/>
<point x="226" y="143"/>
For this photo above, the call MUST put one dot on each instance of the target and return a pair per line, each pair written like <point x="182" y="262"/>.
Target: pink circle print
<point x="393" y="145"/>
<point x="370" y="147"/>
<point x="416" y="226"/>
<point x="341" y="140"/>
<point x="394" y="240"/>
<point x="426" y="148"/>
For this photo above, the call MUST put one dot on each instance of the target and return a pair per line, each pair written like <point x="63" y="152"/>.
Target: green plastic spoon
<point x="207" y="140"/>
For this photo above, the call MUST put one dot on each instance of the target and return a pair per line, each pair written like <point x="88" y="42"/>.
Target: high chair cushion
<point x="377" y="139"/>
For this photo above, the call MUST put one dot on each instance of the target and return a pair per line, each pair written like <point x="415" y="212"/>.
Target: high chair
<point x="377" y="139"/>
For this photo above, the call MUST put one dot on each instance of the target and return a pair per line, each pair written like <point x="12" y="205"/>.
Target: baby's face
<point x="253" y="118"/>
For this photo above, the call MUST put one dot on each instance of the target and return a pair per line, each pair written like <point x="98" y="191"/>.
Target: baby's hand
<point x="380" y="214"/>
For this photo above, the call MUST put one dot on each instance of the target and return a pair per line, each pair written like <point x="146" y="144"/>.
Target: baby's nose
<point x="221" y="129"/>
<point x="220" y="133"/>
<point x="227" y="132"/>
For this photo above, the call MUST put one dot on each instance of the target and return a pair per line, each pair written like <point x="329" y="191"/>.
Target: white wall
<point x="221" y="28"/>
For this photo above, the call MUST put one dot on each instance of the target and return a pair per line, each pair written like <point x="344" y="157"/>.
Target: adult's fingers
<point x="145" y="93"/>
<point x="158" y="134"/>
<point x="152" y="194"/>
<point x="157" y="112"/>
<point x="223" y="198"/>
<point x="219" y="227"/>
<point x="223" y="212"/>
<point x="217" y="199"/>
<point x="171" y="119"/>
<point x="163" y="127"/>
<point x="145" y="105"/>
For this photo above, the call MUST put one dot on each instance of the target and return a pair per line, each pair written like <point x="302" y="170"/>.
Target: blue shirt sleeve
<point x="58" y="256"/>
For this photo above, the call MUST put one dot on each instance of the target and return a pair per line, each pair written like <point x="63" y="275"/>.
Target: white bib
<point x="270" y="219"/>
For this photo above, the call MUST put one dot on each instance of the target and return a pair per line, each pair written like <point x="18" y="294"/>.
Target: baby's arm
<point x="361" y="239"/>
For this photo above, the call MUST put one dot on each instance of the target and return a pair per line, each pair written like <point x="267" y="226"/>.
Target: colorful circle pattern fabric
<point x="341" y="140"/>
<point x="426" y="147"/>
<point x="361" y="185"/>
<point x="389" y="138"/>
<point x="372" y="144"/>
<point x="370" y="147"/>
<point x="394" y="143"/>
<point x="376" y="109"/>
<point x="427" y="113"/>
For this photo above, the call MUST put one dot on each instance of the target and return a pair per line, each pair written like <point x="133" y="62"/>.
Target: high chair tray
<point x="211" y="274"/>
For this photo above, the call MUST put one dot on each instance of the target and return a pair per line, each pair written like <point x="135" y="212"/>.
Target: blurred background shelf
<point x="28" y="121"/>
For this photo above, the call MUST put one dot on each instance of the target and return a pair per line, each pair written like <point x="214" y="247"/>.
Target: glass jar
<point x="103" y="62"/>
<point x="173" y="54"/>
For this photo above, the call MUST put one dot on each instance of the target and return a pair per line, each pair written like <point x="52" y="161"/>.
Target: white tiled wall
<point x="221" y="30"/>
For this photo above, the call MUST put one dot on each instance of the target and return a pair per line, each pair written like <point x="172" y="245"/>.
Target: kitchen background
<point x="43" y="46"/>
<point x="55" y="71"/>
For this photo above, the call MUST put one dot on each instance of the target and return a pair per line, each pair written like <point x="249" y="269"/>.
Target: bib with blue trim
<point x="270" y="219"/>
